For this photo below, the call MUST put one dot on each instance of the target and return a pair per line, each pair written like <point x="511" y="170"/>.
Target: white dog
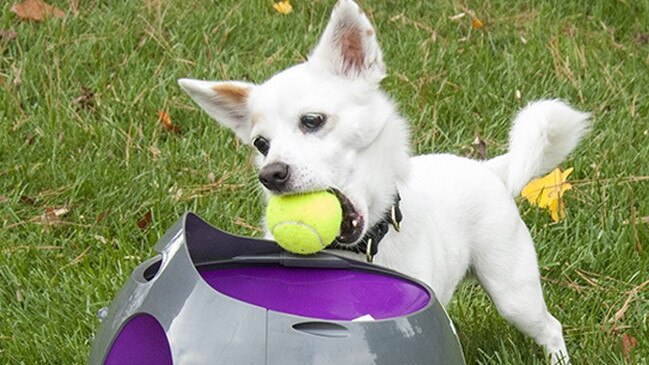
<point x="326" y="124"/>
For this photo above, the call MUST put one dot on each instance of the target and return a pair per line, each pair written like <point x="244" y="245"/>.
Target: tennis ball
<point x="304" y="223"/>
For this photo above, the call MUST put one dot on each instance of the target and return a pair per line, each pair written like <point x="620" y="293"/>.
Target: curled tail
<point x="542" y="135"/>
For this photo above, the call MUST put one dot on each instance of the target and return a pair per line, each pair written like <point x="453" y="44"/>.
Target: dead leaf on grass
<point x="547" y="192"/>
<point x="36" y="10"/>
<point x="283" y="7"/>
<point x="477" y="23"/>
<point x="145" y="221"/>
<point x="628" y="344"/>
<point x="165" y="119"/>
<point x="53" y="216"/>
<point x="3" y="199"/>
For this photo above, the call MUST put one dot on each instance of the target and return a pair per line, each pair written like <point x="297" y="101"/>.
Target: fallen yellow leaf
<point x="283" y="7"/>
<point x="547" y="192"/>
<point x="477" y="23"/>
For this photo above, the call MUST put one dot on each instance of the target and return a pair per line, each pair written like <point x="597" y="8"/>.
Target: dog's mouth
<point x="351" y="227"/>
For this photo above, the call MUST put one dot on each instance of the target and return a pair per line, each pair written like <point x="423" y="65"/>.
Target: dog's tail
<point x="542" y="135"/>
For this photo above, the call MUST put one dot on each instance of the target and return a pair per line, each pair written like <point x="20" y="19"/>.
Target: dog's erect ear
<point x="224" y="101"/>
<point x="348" y="46"/>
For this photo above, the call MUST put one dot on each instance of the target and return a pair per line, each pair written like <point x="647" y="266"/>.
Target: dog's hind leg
<point x="508" y="271"/>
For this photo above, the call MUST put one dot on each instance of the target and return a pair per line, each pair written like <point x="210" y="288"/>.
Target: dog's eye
<point x="262" y="145"/>
<point x="311" y="122"/>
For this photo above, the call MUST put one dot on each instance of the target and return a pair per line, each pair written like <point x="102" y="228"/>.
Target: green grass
<point x="112" y="163"/>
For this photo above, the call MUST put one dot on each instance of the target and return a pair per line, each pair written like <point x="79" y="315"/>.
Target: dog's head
<point x="322" y="124"/>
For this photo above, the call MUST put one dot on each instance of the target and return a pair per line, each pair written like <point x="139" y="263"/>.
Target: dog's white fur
<point x="458" y="213"/>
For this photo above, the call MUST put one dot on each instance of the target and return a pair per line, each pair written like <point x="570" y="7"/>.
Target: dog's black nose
<point x="274" y="176"/>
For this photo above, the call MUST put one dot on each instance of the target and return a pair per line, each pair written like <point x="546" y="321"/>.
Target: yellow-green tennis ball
<point x="304" y="223"/>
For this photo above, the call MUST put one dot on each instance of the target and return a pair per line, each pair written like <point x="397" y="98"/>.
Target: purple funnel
<point x="142" y="341"/>
<point x="333" y="294"/>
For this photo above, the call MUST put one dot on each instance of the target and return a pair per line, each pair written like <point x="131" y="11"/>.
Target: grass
<point x="111" y="163"/>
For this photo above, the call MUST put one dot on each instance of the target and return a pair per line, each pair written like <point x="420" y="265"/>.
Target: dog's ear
<point x="224" y="101"/>
<point x="348" y="46"/>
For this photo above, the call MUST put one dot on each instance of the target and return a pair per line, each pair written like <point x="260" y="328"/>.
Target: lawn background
<point x="106" y="160"/>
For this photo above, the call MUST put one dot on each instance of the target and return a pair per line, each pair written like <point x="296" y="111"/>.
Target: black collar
<point x="369" y="244"/>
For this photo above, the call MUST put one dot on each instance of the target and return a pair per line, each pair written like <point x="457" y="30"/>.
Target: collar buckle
<point x="395" y="217"/>
<point x="368" y="251"/>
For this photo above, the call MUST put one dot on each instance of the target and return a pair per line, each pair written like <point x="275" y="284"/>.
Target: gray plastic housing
<point x="204" y="326"/>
